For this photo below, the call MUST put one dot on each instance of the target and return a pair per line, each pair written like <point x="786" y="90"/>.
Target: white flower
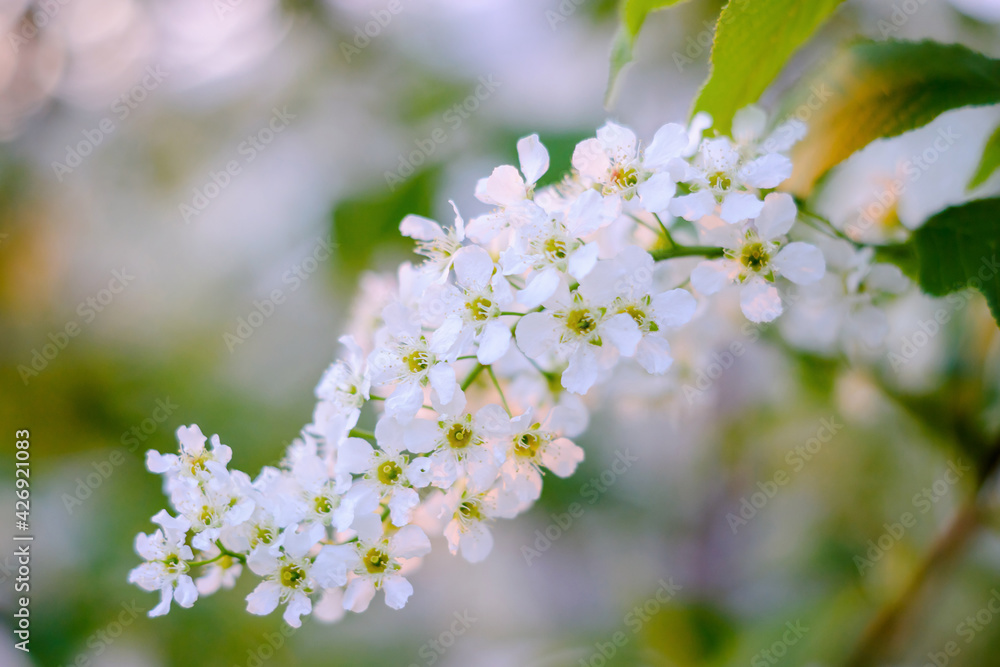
<point x="470" y="514"/>
<point x="531" y="446"/>
<point x="318" y="498"/>
<point x="615" y="162"/>
<point x="403" y="358"/>
<point x="388" y="474"/>
<point x="223" y="501"/>
<point x="375" y="564"/>
<point x="458" y="446"/>
<point x="166" y="566"/>
<point x="755" y="255"/>
<point x="584" y="331"/>
<point x="626" y="283"/>
<point x="342" y="391"/>
<point x="194" y="460"/>
<point x="509" y="192"/>
<point x="473" y="308"/>
<point x="433" y="242"/>
<point x="551" y="247"/>
<point x="291" y="576"/>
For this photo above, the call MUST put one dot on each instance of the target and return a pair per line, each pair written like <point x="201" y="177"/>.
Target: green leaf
<point x="882" y="89"/>
<point x="369" y="222"/>
<point x="989" y="162"/>
<point x="958" y="249"/>
<point x="753" y="40"/>
<point x="633" y="15"/>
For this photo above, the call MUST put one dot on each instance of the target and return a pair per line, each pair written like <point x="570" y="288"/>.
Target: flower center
<point x="624" y="178"/>
<point x="292" y="576"/>
<point x="416" y="361"/>
<point x="264" y="535"/>
<point x="322" y="505"/>
<point x="479" y="308"/>
<point x="469" y="511"/>
<point x="754" y="256"/>
<point x="459" y="436"/>
<point x="389" y="472"/>
<point x="720" y="181"/>
<point x="581" y="321"/>
<point x="556" y="248"/>
<point x="376" y="561"/>
<point x="526" y="445"/>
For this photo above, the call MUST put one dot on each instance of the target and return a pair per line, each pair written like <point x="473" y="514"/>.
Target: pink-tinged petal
<point x="397" y="591"/>
<point x="760" y="301"/>
<point x="484" y="228"/>
<point x="191" y="438"/>
<point x="445" y="336"/>
<point x="505" y="186"/>
<point x="562" y="456"/>
<point x="581" y="372"/>
<point x="476" y="543"/>
<point x="748" y="124"/>
<point x="442" y="379"/>
<point x="802" y="263"/>
<point x="160" y="463"/>
<point x="359" y="594"/>
<point x="657" y="193"/>
<point x="330" y="607"/>
<point x="777" y="216"/>
<point x="710" y="277"/>
<point x="298" y="606"/>
<point x="533" y="157"/>
<point x="694" y="206"/>
<point x="590" y="159"/>
<point x="420" y="436"/>
<point x="592" y="211"/>
<point x="582" y="260"/>
<point x="540" y="287"/>
<point x="618" y="141"/>
<point x="405" y="401"/>
<point x="622" y="331"/>
<point x="186" y="593"/>
<point x="494" y="342"/>
<point x="355" y="455"/>
<point x="298" y="543"/>
<point x="673" y="308"/>
<point x="768" y="171"/>
<point x="401" y="505"/>
<point x="536" y="334"/>
<point x="420" y="228"/>
<point x="670" y="141"/>
<point x="166" y="596"/>
<point x="409" y="542"/>
<point x="653" y="354"/>
<point x="473" y="268"/>
<point x="331" y="564"/>
<point x="739" y="206"/>
<point x="264" y="599"/>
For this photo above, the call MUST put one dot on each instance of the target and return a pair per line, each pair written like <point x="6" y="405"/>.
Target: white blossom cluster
<point x="472" y="364"/>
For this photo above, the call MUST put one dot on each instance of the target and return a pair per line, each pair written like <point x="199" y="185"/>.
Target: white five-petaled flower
<point x="583" y="330"/>
<point x="509" y="192"/>
<point x="342" y="391"/>
<point x="472" y="308"/>
<point x="626" y="283"/>
<point x="166" y="567"/>
<point x="470" y="514"/>
<point x="620" y="168"/>
<point x="388" y="474"/>
<point x="291" y="576"/>
<point x="434" y="243"/>
<point x="376" y="564"/>
<point x="194" y="460"/>
<point x="458" y="447"/>
<point x="222" y="501"/>
<point x="756" y="254"/>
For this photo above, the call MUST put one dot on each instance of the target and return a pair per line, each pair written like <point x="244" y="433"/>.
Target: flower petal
<point x="533" y="157"/>
<point x="802" y="263"/>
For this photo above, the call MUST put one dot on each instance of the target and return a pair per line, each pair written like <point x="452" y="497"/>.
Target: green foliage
<point x="370" y="221"/>
<point x="989" y="162"/>
<point x="633" y="16"/>
<point x="883" y="89"/>
<point x="958" y="249"/>
<point x="753" y="41"/>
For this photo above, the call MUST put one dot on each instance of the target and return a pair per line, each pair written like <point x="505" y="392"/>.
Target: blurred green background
<point x="183" y="85"/>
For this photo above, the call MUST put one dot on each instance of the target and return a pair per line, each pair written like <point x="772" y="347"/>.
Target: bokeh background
<point x="163" y="94"/>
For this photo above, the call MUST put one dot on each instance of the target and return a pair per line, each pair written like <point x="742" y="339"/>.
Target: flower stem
<point x="496" y="383"/>
<point x="471" y="377"/>
<point x="687" y="251"/>
<point x="361" y="433"/>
